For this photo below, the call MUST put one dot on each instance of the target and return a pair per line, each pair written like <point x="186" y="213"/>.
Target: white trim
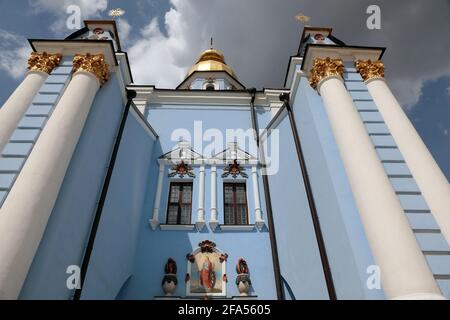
<point x="201" y="199"/>
<point x="177" y="227"/>
<point x="213" y="222"/>
<point x="295" y="61"/>
<point x="333" y="52"/>
<point x="237" y="227"/>
<point x="177" y="106"/>
<point x="155" y="219"/>
<point x="259" y="222"/>
<point x="209" y="99"/>
<point x="122" y="61"/>
<point x="70" y="48"/>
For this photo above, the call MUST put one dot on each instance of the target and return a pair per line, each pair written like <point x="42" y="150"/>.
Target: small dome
<point x="211" y="60"/>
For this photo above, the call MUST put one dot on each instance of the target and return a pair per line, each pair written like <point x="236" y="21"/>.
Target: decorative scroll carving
<point x="234" y="169"/>
<point x="207" y="246"/>
<point x="92" y="63"/>
<point x="323" y="68"/>
<point x="370" y="69"/>
<point x="43" y="61"/>
<point x="223" y="257"/>
<point x="181" y="169"/>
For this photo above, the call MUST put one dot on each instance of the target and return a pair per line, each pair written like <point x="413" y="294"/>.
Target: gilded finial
<point x="302" y="18"/>
<point x="116" y="12"/>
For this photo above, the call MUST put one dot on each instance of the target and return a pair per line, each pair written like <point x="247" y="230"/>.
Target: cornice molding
<point x="73" y="47"/>
<point x="196" y="98"/>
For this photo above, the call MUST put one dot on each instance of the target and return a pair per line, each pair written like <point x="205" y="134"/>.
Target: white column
<point x="27" y="208"/>
<point x="259" y="222"/>
<point x="404" y="271"/>
<point x="200" y="223"/>
<point x="213" y="222"/>
<point x="154" y="221"/>
<point x="431" y="181"/>
<point x="12" y="111"/>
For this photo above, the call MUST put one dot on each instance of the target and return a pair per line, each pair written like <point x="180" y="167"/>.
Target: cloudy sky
<point x="163" y="38"/>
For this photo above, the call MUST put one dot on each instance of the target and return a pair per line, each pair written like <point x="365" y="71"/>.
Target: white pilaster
<point x="259" y="222"/>
<point x="154" y="221"/>
<point x="200" y="223"/>
<point x="431" y="181"/>
<point x="27" y="208"/>
<point x="404" y="270"/>
<point x="213" y="222"/>
<point x="17" y="104"/>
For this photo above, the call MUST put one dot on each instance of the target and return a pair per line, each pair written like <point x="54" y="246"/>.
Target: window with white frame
<point x="180" y="203"/>
<point x="235" y="203"/>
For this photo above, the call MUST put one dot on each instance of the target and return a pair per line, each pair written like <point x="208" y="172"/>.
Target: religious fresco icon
<point x="206" y="270"/>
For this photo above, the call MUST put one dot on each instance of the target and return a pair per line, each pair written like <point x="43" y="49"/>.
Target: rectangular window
<point x="180" y="203"/>
<point x="235" y="203"/>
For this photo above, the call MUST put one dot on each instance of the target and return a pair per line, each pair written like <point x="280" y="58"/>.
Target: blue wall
<point x="155" y="247"/>
<point x="69" y="224"/>
<point x="115" y="244"/>
<point x="297" y="247"/>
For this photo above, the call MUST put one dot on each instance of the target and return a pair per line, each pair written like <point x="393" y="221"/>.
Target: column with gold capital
<point x="404" y="270"/>
<point x="26" y="210"/>
<point x="431" y="181"/>
<point x="40" y="65"/>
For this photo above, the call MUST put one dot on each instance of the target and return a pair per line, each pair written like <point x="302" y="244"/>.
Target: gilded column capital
<point x="92" y="63"/>
<point x="43" y="61"/>
<point x="323" y="68"/>
<point x="370" y="69"/>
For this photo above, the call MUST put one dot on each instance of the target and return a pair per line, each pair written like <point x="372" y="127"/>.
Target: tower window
<point x="235" y="203"/>
<point x="209" y="85"/>
<point x="180" y="203"/>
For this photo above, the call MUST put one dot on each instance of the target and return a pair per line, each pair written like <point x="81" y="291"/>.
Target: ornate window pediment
<point x="232" y="153"/>
<point x="182" y="153"/>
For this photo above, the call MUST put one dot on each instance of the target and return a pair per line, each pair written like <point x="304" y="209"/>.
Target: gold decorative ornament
<point x="370" y="69"/>
<point x="323" y="68"/>
<point x="43" y="61"/>
<point x="116" y="12"/>
<point x="211" y="60"/>
<point x="302" y="18"/>
<point x="92" y="63"/>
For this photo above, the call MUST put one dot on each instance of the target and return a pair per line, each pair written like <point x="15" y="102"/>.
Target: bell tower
<point x="211" y="72"/>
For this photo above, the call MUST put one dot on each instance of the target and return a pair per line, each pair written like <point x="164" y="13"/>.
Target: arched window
<point x="210" y="85"/>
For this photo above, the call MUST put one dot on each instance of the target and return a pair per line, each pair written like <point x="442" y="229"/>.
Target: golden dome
<point x="211" y="60"/>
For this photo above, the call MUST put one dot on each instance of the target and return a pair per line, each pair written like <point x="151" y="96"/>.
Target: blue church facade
<point x="211" y="190"/>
